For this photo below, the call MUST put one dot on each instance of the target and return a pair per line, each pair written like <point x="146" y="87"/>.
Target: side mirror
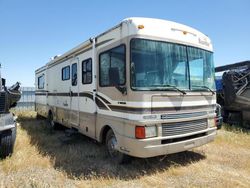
<point x="114" y="76"/>
<point x="3" y="82"/>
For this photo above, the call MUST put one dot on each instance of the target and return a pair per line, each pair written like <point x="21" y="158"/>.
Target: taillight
<point x="139" y="132"/>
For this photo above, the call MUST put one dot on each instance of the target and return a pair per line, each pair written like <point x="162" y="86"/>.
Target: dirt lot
<point x="42" y="159"/>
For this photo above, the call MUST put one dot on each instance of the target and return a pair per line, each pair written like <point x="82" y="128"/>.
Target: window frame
<point x="86" y="60"/>
<point x="62" y="73"/>
<point x="125" y="60"/>
<point x="38" y="81"/>
<point x="188" y="66"/>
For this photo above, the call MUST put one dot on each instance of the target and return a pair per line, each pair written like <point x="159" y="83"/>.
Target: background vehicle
<point x="8" y="99"/>
<point x="233" y="92"/>
<point x="145" y="88"/>
<point x="219" y="118"/>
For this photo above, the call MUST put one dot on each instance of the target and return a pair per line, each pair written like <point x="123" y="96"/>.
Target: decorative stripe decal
<point x="105" y="100"/>
<point x="104" y="104"/>
<point x="59" y="94"/>
<point x="100" y="104"/>
<point x="154" y="110"/>
<point x="85" y="94"/>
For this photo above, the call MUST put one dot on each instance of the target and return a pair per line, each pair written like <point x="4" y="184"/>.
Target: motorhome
<point x="144" y="88"/>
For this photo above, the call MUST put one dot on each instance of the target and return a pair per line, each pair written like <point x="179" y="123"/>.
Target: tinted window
<point x="74" y="74"/>
<point x="87" y="71"/>
<point x="113" y="59"/>
<point x="155" y="65"/>
<point x="201" y="68"/>
<point x="66" y="73"/>
<point x="41" y="82"/>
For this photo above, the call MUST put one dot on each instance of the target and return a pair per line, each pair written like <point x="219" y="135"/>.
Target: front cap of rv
<point x="167" y="31"/>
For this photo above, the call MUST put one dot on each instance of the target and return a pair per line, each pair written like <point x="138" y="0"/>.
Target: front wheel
<point x="112" y="150"/>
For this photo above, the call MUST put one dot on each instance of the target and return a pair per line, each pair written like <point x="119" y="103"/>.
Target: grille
<point x="184" y="115"/>
<point x="2" y="102"/>
<point x="171" y="129"/>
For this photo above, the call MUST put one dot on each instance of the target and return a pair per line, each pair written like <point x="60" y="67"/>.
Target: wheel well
<point x="104" y="133"/>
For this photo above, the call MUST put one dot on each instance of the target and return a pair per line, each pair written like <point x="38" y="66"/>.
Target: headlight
<point x="150" y="131"/>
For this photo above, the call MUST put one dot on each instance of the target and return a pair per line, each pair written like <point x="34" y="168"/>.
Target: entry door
<point x="74" y="94"/>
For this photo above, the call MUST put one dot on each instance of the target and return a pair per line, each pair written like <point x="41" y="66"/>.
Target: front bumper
<point x="7" y="127"/>
<point x="7" y="121"/>
<point x="155" y="147"/>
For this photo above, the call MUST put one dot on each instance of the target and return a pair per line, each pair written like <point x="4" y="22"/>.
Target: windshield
<point x="159" y="65"/>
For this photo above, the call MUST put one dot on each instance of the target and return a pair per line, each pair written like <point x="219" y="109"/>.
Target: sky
<point x="32" y="31"/>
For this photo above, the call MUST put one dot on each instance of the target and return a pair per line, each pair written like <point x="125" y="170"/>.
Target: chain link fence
<point x="27" y="100"/>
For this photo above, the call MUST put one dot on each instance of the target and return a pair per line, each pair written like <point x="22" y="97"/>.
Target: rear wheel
<point x="7" y="143"/>
<point x="112" y="150"/>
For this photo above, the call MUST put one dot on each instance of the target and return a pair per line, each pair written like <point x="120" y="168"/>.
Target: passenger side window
<point x="112" y="66"/>
<point x="66" y="73"/>
<point x="87" y="71"/>
<point x="74" y="74"/>
<point x="41" y="82"/>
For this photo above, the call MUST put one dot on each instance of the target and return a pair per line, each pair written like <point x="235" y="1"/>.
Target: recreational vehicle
<point x="144" y="88"/>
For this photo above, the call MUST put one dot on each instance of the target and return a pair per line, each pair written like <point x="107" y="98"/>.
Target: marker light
<point x="140" y="26"/>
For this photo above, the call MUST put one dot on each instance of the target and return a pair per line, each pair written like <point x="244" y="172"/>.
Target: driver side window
<point x="112" y="61"/>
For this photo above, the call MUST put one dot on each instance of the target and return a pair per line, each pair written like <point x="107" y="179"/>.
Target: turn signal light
<point x="140" y="26"/>
<point x="139" y="132"/>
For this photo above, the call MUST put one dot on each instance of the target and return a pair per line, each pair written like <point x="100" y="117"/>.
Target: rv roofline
<point x="81" y="46"/>
<point x="86" y="45"/>
<point x="238" y="65"/>
<point x="41" y="69"/>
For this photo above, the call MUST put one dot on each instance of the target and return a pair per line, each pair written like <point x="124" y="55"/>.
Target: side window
<point x="112" y="67"/>
<point x="41" y="82"/>
<point x="66" y="73"/>
<point x="74" y="74"/>
<point x="87" y="71"/>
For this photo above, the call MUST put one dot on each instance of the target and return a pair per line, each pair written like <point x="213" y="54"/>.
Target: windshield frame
<point x="189" y="89"/>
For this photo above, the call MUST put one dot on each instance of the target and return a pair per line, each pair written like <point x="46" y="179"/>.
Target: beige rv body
<point x="92" y="109"/>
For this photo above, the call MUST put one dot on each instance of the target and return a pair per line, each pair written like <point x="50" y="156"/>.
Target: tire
<point x="7" y="143"/>
<point x="114" y="154"/>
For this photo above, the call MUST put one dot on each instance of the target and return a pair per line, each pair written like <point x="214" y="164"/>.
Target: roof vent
<point x="54" y="57"/>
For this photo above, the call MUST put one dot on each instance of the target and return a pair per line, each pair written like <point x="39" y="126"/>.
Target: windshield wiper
<point x="172" y="87"/>
<point x="205" y="87"/>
